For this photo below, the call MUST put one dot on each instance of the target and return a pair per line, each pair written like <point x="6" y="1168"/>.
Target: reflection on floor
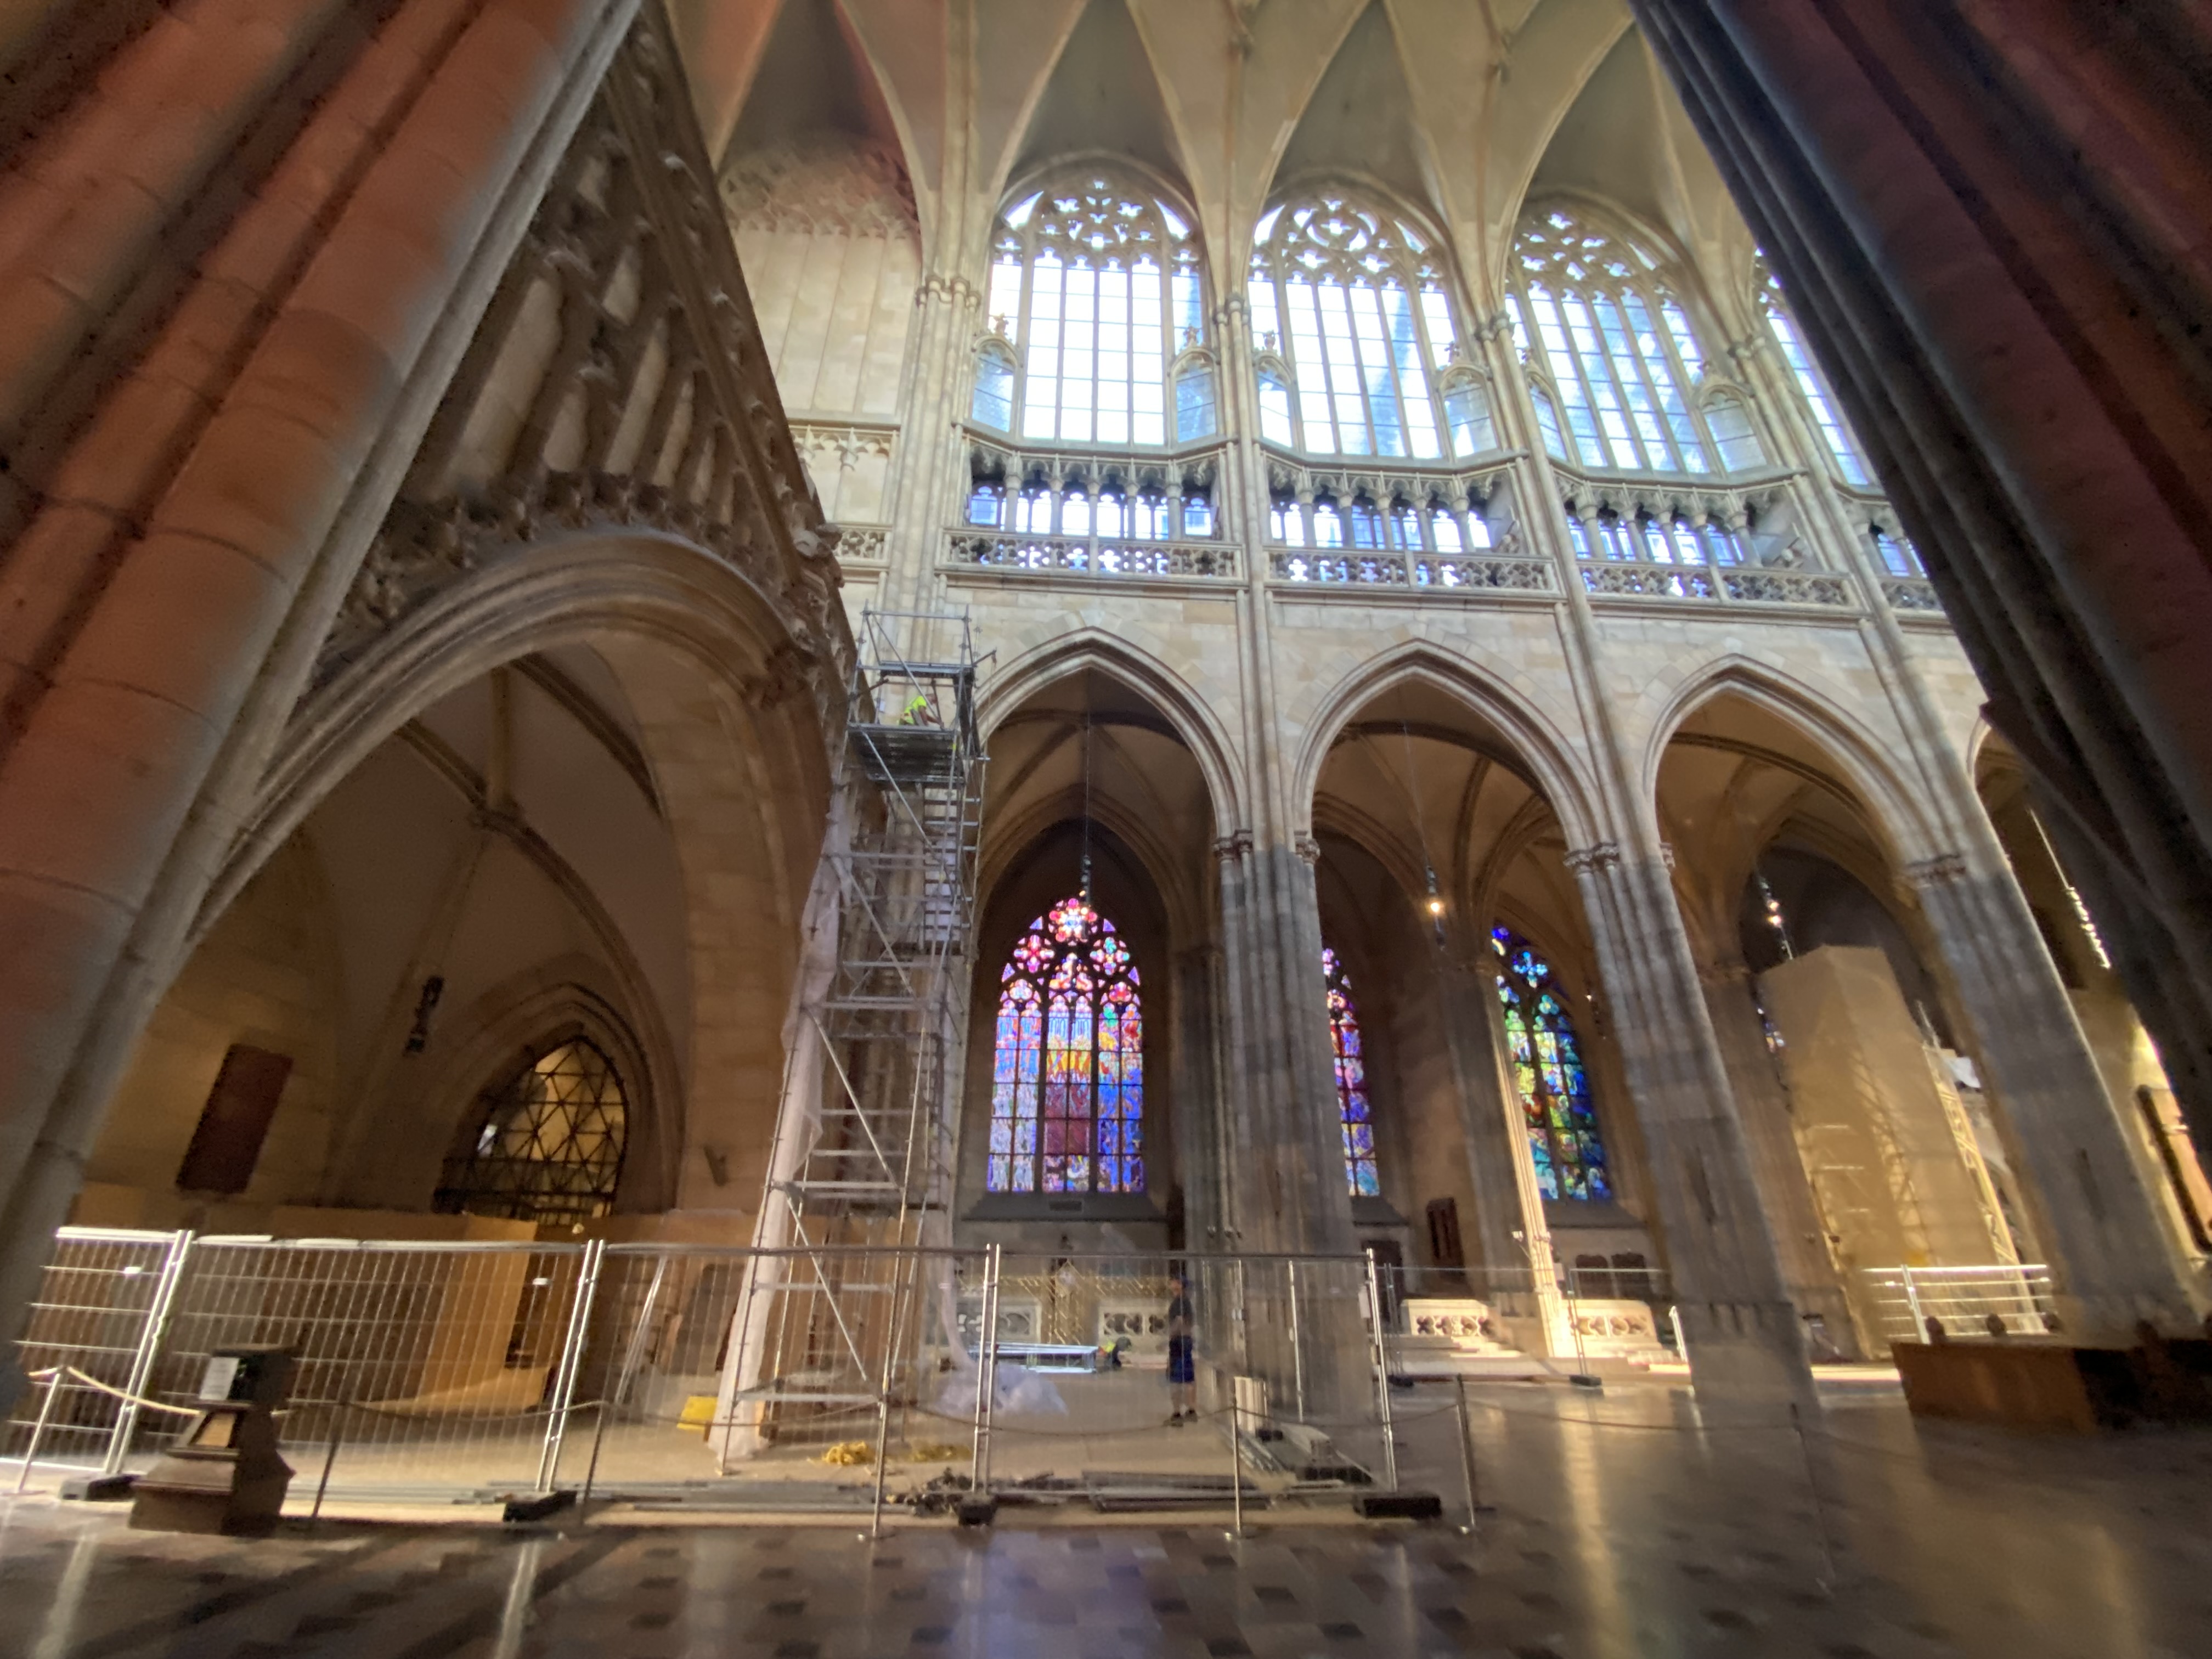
<point x="1614" y="1528"/>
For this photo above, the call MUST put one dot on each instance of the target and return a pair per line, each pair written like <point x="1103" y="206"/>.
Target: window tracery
<point x="1067" y="1080"/>
<point x="1351" y="301"/>
<point x="548" y="1142"/>
<point x="1360" y="1171"/>
<point x="1594" y="316"/>
<point x="1097" y="285"/>
<point x="1548" y="1076"/>
<point x="1827" y="413"/>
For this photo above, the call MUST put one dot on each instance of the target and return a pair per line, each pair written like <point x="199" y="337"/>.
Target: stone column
<point x="1200" y="1165"/>
<point x="1747" y="1350"/>
<point x="1986" y="214"/>
<point x="1770" y="1139"/>
<point x="195" y="520"/>
<point x="2115" y="1259"/>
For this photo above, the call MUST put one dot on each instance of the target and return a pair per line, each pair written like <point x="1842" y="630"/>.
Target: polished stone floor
<point x="1613" y="1527"/>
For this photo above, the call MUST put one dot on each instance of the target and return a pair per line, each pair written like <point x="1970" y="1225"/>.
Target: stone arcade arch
<point x="687" y="876"/>
<point x="1755" y="781"/>
<point x="1433" y="827"/>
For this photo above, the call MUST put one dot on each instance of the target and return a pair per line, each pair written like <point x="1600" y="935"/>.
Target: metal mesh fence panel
<point x="93" y="1315"/>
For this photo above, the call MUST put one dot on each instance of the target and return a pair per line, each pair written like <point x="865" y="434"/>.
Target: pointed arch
<point x="1193" y="721"/>
<point x="1889" y="802"/>
<point x="1552" y="765"/>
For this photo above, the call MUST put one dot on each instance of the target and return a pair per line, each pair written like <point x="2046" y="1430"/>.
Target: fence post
<point x="1382" y="1371"/>
<point x="572" y="1362"/>
<point x="987" y="1361"/>
<point x="39" y="1429"/>
<point x="149" y="1350"/>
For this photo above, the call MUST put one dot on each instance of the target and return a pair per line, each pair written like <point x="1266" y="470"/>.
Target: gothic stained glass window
<point x="1549" y="1076"/>
<point x="1067" y="1086"/>
<point x="548" y="1144"/>
<point x="1360" y="1171"/>
<point x="1097" y="285"/>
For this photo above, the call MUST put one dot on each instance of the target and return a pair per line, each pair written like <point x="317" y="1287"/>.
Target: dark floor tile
<point x="1226" y="1647"/>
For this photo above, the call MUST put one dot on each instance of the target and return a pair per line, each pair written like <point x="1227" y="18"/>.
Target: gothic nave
<point x="1423" y="784"/>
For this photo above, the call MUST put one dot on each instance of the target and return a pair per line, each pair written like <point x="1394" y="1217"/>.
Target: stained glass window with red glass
<point x="1548" y="1075"/>
<point x="1359" y="1171"/>
<point x="1067" y="1087"/>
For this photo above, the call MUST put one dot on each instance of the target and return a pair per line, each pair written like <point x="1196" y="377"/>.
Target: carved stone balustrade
<point x="1720" y="585"/>
<point x="1913" y="595"/>
<point x="618" y="384"/>
<point x="1091" y="555"/>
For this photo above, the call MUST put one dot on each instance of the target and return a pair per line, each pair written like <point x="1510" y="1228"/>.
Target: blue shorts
<point x="1181" y="1366"/>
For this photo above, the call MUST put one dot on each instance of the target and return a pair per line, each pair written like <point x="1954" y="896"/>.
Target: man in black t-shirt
<point x="1182" y="1369"/>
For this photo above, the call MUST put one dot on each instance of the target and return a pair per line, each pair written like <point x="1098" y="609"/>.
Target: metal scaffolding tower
<point x="863" y="1153"/>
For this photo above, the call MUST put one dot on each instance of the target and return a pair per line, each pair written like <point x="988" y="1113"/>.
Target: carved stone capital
<point x="1234" y="848"/>
<point x="1943" y="870"/>
<point x="1307" y="848"/>
<point x="1586" y="860"/>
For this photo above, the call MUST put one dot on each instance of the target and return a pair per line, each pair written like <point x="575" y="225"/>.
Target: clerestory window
<point x="1827" y="414"/>
<point x="1351" y="302"/>
<point x="1097" y="285"/>
<point x="1594" y="317"/>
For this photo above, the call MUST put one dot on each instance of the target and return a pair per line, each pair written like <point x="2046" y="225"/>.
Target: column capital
<point x="1234" y="847"/>
<point x="1589" y="861"/>
<point x="1943" y="870"/>
<point x="1307" y="848"/>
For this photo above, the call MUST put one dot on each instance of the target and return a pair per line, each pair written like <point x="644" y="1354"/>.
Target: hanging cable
<point x="1435" y="901"/>
<point x="1083" y="885"/>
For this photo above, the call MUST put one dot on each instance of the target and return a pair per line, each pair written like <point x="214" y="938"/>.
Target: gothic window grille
<point x="1548" y="1076"/>
<point x="994" y="402"/>
<point x="1826" y="415"/>
<point x="1616" y="344"/>
<point x="1067" y="1078"/>
<point x="1094" y="281"/>
<point x="1197" y="515"/>
<point x="1357" y="298"/>
<point x="548" y="1143"/>
<point x="1360" y="1172"/>
<point x="1198" y="400"/>
<point x="986" y="505"/>
<point x="1734" y="435"/>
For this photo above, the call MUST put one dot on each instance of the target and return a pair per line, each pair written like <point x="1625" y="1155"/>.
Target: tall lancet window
<point x="1549" y="1077"/>
<point x="1350" y="301"/>
<point x="1827" y="414"/>
<point x="1067" y="1089"/>
<point x="1595" y="319"/>
<point x="1097" y="286"/>
<point x="1360" y="1173"/>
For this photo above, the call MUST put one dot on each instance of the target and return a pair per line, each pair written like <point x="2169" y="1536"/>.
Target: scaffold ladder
<point x="863" y="1153"/>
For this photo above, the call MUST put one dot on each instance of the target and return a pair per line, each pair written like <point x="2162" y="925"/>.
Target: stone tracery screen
<point x="1068" y="1090"/>
<point x="1360" y="1172"/>
<point x="1549" y="1077"/>
<point x="1350" y="303"/>
<point x="1097" y="287"/>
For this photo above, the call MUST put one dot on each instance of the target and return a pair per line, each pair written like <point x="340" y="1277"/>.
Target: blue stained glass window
<point x="1548" y="1075"/>
<point x="1360" y="1173"/>
<point x="1067" y="1080"/>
